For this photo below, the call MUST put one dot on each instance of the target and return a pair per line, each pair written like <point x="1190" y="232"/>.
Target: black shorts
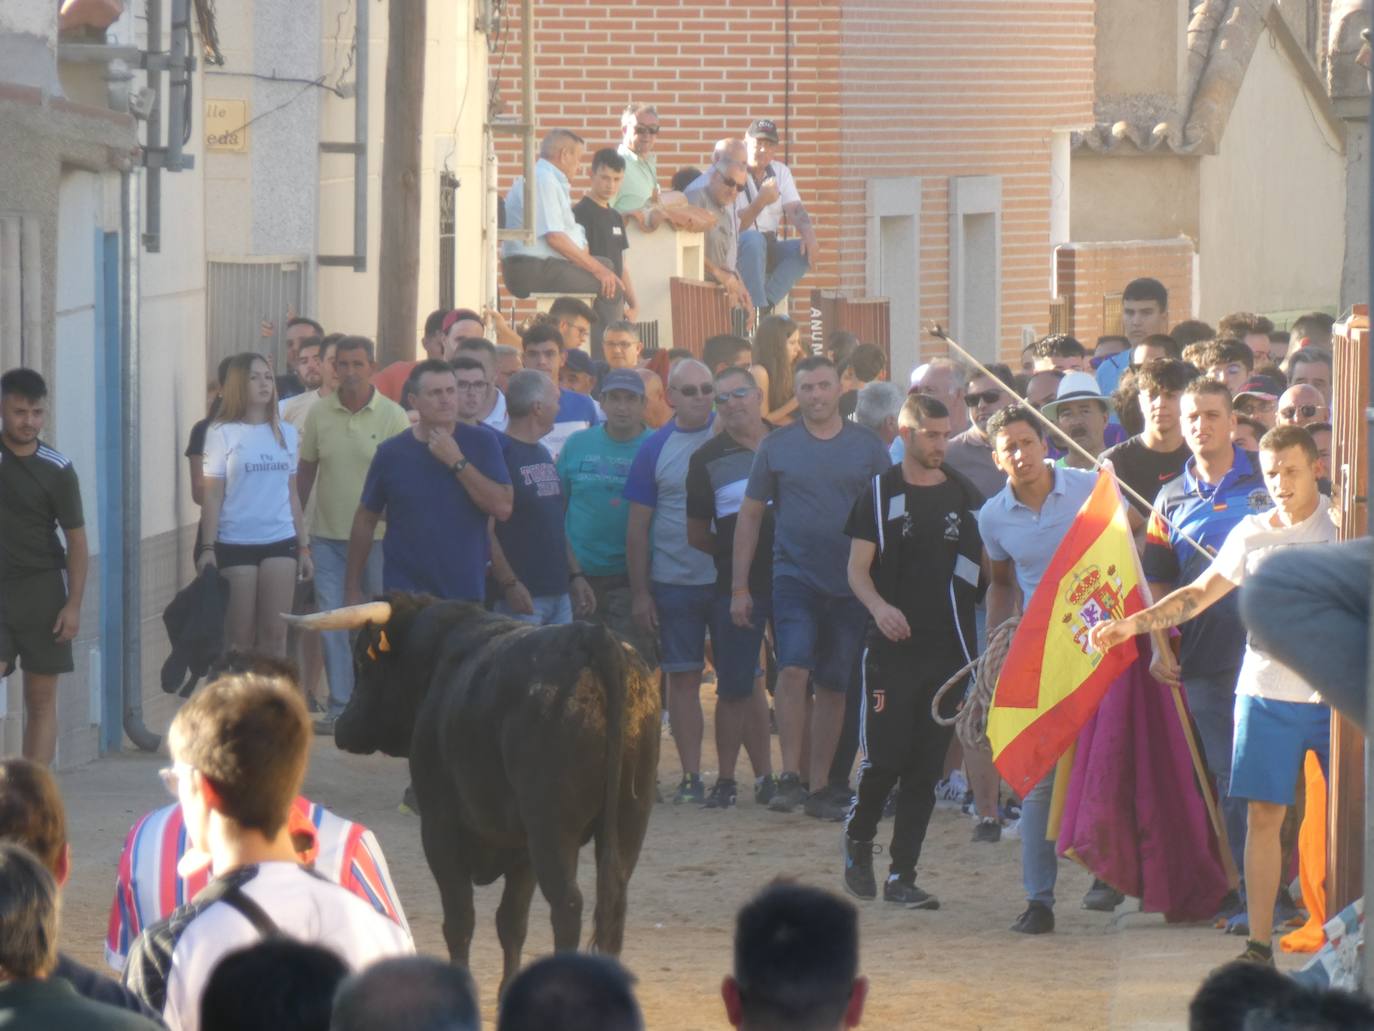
<point x="26" y="624"/>
<point x="227" y="555"/>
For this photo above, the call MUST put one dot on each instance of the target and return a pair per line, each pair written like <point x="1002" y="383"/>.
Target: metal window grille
<point x="448" y="231"/>
<point x="244" y="293"/>
<point x="1111" y="315"/>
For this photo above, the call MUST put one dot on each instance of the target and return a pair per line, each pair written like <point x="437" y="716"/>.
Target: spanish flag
<point x="1053" y="679"/>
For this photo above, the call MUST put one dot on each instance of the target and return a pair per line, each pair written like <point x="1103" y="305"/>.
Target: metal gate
<point x="243" y="294"/>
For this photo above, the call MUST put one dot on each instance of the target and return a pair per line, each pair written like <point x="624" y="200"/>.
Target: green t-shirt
<point x="593" y="469"/>
<point x="637" y="188"/>
<point x="38" y="493"/>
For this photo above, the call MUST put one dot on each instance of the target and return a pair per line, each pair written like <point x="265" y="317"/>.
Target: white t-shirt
<point x="172" y="961"/>
<point x="770" y="217"/>
<point x="498" y="418"/>
<point x="257" y="472"/>
<point x="1247" y="545"/>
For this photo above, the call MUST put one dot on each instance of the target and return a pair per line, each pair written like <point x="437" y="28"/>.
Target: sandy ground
<point x="955" y="968"/>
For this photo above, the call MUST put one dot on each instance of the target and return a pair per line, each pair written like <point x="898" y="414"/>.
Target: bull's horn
<point x="350" y="617"/>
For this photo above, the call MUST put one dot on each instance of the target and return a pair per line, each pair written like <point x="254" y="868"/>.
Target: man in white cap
<point x="1081" y="412"/>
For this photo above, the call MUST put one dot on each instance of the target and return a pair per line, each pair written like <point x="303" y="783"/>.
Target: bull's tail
<point x="614" y="669"/>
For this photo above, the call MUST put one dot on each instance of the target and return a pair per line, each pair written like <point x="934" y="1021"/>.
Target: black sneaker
<point x="789" y="794"/>
<point x="1102" y="898"/>
<point x="764" y="789"/>
<point x="1257" y="953"/>
<point x="827" y="804"/>
<point x="988" y="829"/>
<point x="691" y="790"/>
<point x="858" y="868"/>
<point x="898" y="889"/>
<point x="1037" y="919"/>
<point x="722" y="795"/>
<point x="409" y="805"/>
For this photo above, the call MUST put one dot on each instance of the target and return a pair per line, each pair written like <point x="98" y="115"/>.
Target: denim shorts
<point x="822" y="633"/>
<point x="1272" y="741"/>
<point x="684" y="613"/>
<point x="735" y="650"/>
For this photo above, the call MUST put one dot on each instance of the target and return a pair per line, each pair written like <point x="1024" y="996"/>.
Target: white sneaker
<point x="950" y="792"/>
<point x="1012" y="830"/>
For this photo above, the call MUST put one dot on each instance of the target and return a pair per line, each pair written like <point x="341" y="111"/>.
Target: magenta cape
<point x="1133" y="813"/>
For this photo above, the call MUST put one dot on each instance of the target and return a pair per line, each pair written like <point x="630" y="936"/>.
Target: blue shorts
<point x="735" y="650"/>
<point x="821" y="633"/>
<point x="684" y="613"/>
<point x="1272" y="740"/>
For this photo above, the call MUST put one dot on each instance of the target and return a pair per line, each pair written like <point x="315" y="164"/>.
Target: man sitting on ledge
<point x="558" y="261"/>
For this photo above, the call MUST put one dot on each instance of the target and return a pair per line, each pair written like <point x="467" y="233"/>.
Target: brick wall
<point x="971" y="87"/>
<point x="877" y="87"/>
<point x="710" y="68"/>
<point x="1087" y="272"/>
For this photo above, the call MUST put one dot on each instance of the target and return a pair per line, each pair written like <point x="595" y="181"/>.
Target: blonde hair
<point x="233" y="405"/>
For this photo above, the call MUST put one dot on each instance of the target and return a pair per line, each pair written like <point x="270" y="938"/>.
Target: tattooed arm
<point x="1178" y="607"/>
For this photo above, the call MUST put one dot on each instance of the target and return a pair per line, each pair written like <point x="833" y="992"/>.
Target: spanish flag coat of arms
<point x="1053" y="679"/>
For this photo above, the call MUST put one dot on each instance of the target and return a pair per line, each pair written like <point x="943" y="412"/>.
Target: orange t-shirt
<point x="392" y="380"/>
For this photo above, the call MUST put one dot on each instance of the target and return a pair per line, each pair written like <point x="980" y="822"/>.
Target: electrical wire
<point x="274" y="77"/>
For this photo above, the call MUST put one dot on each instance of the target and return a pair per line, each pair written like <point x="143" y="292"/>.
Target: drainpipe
<point x="132" y="554"/>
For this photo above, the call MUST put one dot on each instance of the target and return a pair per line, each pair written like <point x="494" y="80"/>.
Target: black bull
<point x="524" y="743"/>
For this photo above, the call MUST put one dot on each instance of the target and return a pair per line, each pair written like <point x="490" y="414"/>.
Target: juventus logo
<point x="879" y="700"/>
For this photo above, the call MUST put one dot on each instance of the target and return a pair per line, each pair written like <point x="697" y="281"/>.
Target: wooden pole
<point x="398" y="263"/>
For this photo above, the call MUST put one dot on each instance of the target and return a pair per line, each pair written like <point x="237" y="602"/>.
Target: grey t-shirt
<point x="658" y="480"/>
<point x="971" y="454"/>
<point x="813" y="484"/>
<point x="722" y="239"/>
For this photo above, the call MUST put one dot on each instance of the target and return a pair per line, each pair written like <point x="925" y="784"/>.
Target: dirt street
<point x="958" y="968"/>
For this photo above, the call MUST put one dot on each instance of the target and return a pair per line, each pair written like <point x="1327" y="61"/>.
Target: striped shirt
<point x="148" y="888"/>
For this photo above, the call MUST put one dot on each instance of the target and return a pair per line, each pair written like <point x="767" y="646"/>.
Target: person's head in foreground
<point x="1018" y="445"/>
<point x="571" y="991"/>
<point x="417" y="993"/>
<point x="796" y="962"/>
<point x="1289" y="460"/>
<point x="32" y="814"/>
<point x="278" y="983"/>
<point x="1253" y="997"/>
<point x="239" y="750"/>
<point x="28" y="916"/>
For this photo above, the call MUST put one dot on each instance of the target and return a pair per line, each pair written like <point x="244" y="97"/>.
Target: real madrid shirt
<point x="1214" y="640"/>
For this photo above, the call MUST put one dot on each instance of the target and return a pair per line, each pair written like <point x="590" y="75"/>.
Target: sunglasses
<point x="1306" y="411"/>
<point x="987" y="397"/>
<point x="738" y="394"/>
<point x="691" y="390"/>
<point x="737" y="187"/>
<point x="646" y="130"/>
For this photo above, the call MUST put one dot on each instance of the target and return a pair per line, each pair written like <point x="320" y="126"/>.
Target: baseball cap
<point x="763" y="129"/>
<point x="576" y="360"/>
<point x="1262" y="387"/>
<point x="460" y="315"/>
<point x="1076" y="386"/>
<point x="623" y="379"/>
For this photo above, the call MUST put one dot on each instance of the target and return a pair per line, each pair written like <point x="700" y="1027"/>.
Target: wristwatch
<point x="458" y="466"/>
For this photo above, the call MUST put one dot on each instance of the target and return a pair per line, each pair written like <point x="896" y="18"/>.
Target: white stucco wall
<point x="455" y="76"/>
<point x="1272" y="201"/>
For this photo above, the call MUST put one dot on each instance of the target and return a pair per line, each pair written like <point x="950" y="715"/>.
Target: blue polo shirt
<point x="1213" y="641"/>
<point x="1012" y="530"/>
<point x="553" y="213"/>
<point x="436" y="537"/>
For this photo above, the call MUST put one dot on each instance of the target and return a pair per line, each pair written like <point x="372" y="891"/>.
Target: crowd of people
<point x="826" y="538"/>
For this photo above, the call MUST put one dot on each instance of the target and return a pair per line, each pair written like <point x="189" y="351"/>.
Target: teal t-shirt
<point x="593" y="469"/>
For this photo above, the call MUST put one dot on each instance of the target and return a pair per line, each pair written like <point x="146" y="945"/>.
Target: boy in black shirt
<point x="605" y="227"/>
<point x="914" y="561"/>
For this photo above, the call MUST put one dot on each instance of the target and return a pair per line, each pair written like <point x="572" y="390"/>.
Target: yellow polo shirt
<point x="342" y="444"/>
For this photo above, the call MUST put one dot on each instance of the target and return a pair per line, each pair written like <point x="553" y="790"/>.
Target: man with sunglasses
<point x="716" y="478"/>
<point x="639" y="189"/>
<point x="715" y="192"/>
<point x="1302" y="405"/>
<point x="671" y="582"/>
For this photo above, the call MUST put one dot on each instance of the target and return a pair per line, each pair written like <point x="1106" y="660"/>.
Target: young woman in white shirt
<point x="251" y="523"/>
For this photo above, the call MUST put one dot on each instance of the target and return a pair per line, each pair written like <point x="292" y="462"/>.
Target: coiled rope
<point x="971" y="721"/>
